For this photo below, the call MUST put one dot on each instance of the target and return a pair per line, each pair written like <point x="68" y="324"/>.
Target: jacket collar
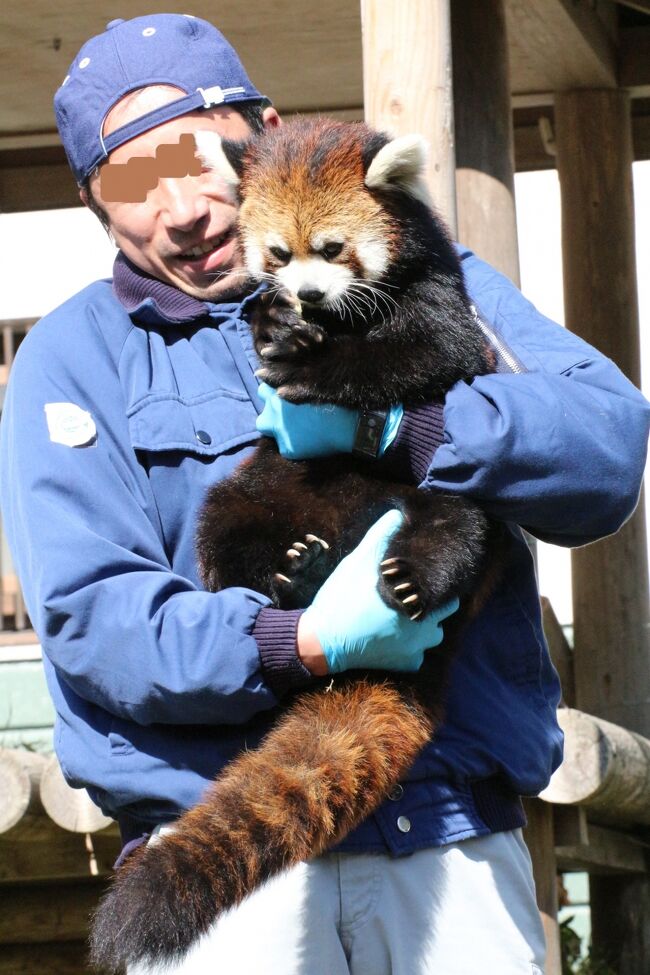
<point x="146" y="298"/>
<point x="152" y="302"/>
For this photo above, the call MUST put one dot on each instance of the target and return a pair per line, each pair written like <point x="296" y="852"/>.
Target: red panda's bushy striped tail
<point x="327" y="764"/>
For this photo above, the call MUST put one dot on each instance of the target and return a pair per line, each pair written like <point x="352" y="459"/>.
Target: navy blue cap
<point x="159" y="49"/>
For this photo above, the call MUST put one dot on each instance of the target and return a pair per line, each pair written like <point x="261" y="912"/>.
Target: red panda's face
<point x="311" y="219"/>
<point x="324" y="241"/>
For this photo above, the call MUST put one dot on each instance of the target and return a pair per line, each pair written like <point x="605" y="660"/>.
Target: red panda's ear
<point x="400" y="164"/>
<point x="223" y="156"/>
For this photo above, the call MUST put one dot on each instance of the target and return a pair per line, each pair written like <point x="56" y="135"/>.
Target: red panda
<point x="337" y="216"/>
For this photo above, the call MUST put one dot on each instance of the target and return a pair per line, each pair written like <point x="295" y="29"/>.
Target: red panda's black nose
<point x="311" y="295"/>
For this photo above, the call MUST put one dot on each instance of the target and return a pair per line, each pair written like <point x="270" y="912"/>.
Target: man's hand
<point x="307" y="430"/>
<point x="353" y="626"/>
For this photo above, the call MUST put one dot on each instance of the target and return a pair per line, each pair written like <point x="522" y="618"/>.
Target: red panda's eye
<point x="330" y="251"/>
<point x="280" y="254"/>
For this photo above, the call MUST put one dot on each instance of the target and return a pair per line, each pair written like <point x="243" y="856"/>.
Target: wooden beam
<point x="483" y="127"/>
<point x="56" y="958"/>
<point x="310" y="57"/>
<point x="30" y="915"/>
<point x="556" y="45"/>
<point x="49" y="186"/>
<point x="634" y="60"/>
<point x="641" y="137"/>
<point x="606" y="769"/>
<point x="407" y="82"/>
<point x="581" y="845"/>
<point x="57" y="855"/>
<point x="641" y="5"/>
<point x="606" y="852"/>
<point x="530" y="151"/>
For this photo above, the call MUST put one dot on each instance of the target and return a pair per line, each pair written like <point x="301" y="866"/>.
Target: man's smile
<point x="202" y="248"/>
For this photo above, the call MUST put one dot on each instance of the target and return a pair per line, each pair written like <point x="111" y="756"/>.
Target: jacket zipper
<point x="498" y="344"/>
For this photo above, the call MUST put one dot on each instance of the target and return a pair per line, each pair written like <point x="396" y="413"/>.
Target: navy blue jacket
<point x="158" y="683"/>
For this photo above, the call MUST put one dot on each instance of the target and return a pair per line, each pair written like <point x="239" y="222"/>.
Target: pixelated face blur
<point x="182" y="230"/>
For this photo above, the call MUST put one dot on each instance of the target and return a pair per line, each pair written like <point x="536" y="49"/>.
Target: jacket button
<point x="396" y="793"/>
<point x="403" y="824"/>
<point x="203" y="437"/>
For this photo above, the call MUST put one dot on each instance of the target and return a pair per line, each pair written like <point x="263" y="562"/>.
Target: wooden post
<point x="487" y="224"/>
<point x="610" y="579"/>
<point x="407" y="82"/>
<point x="541" y="845"/>
<point x="485" y="184"/>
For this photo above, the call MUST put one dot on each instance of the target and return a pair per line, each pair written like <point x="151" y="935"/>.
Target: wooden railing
<point x="13" y="616"/>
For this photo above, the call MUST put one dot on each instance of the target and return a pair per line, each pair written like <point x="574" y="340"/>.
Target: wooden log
<point x="485" y="186"/>
<point x="59" y="855"/>
<point x="582" y="845"/>
<point x="55" y="958"/>
<point x="605" y="853"/>
<point x="20" y="773"/>
<point x="72" y="809"/>
<point x="407" y="82"/>
<point x="33" y="914"/>
<point x="541" y="845"/>
<point x="606" y="769"/>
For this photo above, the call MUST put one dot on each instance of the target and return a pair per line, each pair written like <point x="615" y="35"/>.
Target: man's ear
<point x="83" y="195"/>
<point x="270" y="118"/>
<point x="222" y="156"/>
<point x="400" y="165"/>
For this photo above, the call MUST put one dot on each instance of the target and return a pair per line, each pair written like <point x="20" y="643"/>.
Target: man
<point x="126" y="402"/>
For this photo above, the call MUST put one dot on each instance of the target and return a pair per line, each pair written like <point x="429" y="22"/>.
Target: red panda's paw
<point x="304" y="567"/>
<point x="294" y="343"/>
<point x="273" y="316"/>
<point x="401" y="589"/>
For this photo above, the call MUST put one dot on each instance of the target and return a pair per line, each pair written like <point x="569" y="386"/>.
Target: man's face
<point x="183" y="233"/>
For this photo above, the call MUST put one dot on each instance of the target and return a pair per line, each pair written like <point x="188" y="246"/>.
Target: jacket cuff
<point x="420" y="433"/>
<point x="275" y="632"/>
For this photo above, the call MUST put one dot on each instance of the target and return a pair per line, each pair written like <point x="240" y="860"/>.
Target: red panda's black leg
<point x="304" y="568"/>
<point x="437" y="554"/>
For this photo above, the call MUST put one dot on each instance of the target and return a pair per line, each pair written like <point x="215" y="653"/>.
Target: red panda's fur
<point x="337" y="752"/>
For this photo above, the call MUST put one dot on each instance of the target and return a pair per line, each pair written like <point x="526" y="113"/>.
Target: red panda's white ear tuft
<point x="400" y="164"/>
<point x="210" y="151"/>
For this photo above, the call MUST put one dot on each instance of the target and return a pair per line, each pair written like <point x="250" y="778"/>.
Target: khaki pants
<point x="463" y="909"/>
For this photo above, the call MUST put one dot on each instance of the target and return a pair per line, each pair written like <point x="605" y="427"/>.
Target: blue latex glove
<point x="354" y="625"/>
<point x="307" y="430"/>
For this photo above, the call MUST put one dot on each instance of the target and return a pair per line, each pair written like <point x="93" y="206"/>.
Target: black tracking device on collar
<point x="370" y="430"/>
